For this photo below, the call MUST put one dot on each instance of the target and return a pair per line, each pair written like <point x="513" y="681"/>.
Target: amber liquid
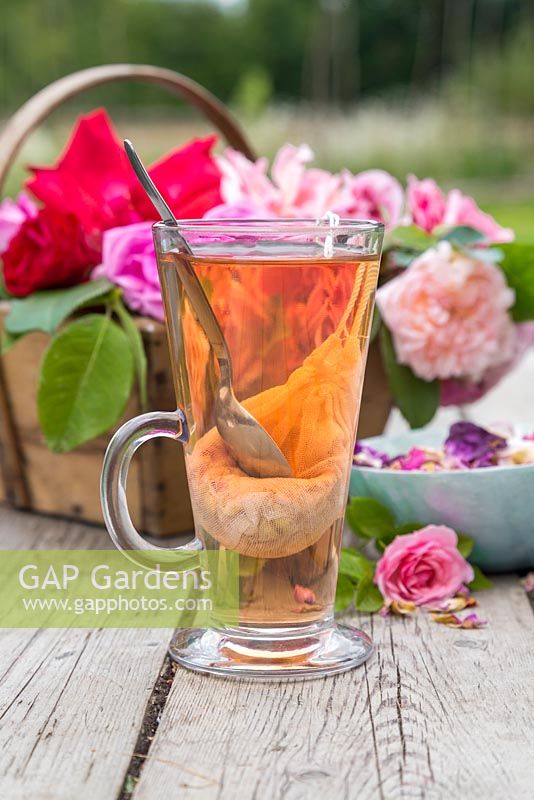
<point x="274" y="314"/>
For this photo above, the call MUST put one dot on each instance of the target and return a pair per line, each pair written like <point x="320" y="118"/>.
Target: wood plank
<point x="435" y="713"/>
<point x="71" y="701"/>
<point x="23" y="530"/>
<point x="452" y="709"/>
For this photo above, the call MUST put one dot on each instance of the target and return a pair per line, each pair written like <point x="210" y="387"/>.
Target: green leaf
<point x="354" y="564"/>
<point x="8" y="340"/>
<point x="400" y="258"/>
<point x="463" y="235"/>
<point x="480" y="581"/>
<point x="400" y="530"/>
<point x="368" y="597"/>
<point x="138" y="349"/>
<point x="417" y="400"/>
<point x="85" y="381"/>
<point x="491" y="255"/>
<point x="45" y="311"/>
<point x="465" y="544"/>
<point x="407" y="527"/>
<point x="410" y="237"/>
<point x="369" y="518"/>
<point x="518" y="267"/>
<point x="344" y="593"/>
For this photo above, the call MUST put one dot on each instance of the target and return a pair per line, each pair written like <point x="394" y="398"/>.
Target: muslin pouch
<point x="312" y="419"/>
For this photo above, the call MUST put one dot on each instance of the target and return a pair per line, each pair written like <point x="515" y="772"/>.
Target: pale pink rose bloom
<point x="295" y="190"/>
<point x="318" y="193"/>
<point x="241" y="209"/>
<point x="288" y="170"/>
<point x="129" y="261"/>
<point x="423" y="567"/>
<point x="12" y="214"/>
<point x="373" y="194"/>
<point x="448" y="315"/>
<point x="302" y="191"/>
<point x="244" y="181"/>
<point x="462" y="210"/>
<point x="426" y="203"/>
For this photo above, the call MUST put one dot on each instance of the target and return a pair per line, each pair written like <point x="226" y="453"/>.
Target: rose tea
<point x="294" y="301"/>
<point x="297" y="331"/>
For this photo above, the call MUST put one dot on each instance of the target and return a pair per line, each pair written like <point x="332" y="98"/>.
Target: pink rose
<point x="293" y="190"/>
<point x="296" y="190"/>
<point x="244" y="183"/>
<point x="13" y="213"/>
<point x="462" y="210"/>
<point x="426" y="203"/>
<point x="373" y="194"/>
<point x="129" y="261"/>
<point x="423" y="567"/>
<point x="303" y="192"/>
<point x="448" y="315"/>
<point x="429" y="208"/>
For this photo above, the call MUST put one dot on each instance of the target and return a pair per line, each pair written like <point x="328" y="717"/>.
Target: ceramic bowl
<point x="495" y="506"/>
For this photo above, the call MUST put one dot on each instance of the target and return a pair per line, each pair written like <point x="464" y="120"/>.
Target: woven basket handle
<point x="41" y="105"/>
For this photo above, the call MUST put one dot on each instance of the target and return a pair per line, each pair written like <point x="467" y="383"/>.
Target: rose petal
<point x="471" y="621"/>
<point x="453" y="604"/>
<point x="303" y="594"/>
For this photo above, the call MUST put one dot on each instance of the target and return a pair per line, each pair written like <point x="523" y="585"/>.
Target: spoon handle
<point x="187" y="274"/>
<point x="148" y="185"/>
<point x="204" y="312"/>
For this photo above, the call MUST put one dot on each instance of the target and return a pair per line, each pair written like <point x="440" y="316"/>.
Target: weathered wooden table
<point x="103" y="714"/>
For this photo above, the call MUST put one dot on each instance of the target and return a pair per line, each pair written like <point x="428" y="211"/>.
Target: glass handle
<point x="123" y="445"/>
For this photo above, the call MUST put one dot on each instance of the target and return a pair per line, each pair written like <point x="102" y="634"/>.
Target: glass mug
<point x="294" y="300"/>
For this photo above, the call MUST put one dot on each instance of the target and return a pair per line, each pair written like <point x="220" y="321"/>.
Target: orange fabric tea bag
<point x="311" y="417"/>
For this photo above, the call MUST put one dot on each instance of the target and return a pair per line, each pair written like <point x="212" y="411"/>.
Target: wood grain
<point x="71" y="701"/>
<point x="436" y="713"/>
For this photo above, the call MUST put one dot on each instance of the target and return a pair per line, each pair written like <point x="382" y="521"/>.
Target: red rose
<point x="189" y="179"/>
<point x="94" y="180"/>
<point x="91" y="178"/>
<point x="49" y="251"/>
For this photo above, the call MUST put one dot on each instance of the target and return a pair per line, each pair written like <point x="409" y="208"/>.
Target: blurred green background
<point x="432" y="87"/>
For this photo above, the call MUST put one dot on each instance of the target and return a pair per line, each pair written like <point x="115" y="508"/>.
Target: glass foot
<point x="272" y="654"/>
